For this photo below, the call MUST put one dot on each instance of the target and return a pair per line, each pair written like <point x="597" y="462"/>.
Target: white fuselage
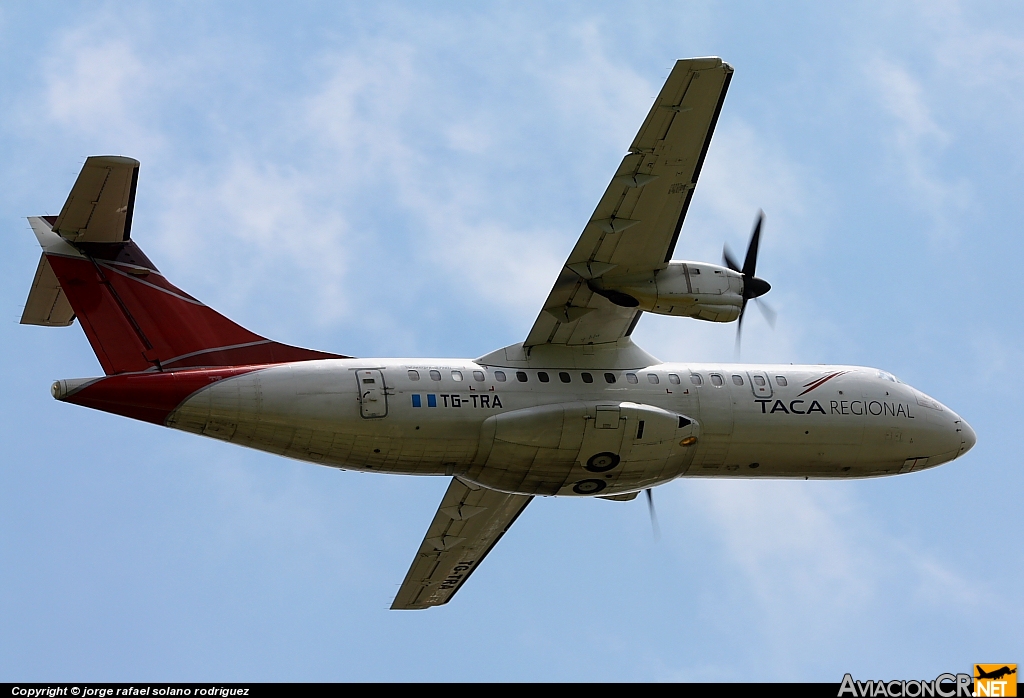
<point x="620" y="431"/>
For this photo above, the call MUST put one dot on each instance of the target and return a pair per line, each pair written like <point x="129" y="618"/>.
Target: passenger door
<point x="373" y="397"/>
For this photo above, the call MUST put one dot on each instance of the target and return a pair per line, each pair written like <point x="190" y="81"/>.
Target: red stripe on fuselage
<point x="151" y="397"/>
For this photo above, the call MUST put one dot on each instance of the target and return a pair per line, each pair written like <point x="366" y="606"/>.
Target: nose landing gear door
<point x="373" y="397"/>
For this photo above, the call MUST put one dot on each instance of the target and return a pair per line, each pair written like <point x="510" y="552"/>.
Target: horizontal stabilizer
<point x="100" y="205"/>
<point x="47" y="305"/>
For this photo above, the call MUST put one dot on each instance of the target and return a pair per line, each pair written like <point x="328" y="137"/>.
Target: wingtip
<point x="101" y="160"/>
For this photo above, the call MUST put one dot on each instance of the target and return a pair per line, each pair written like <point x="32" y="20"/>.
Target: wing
<point x="100" y="205"/>
<point x="637" y="222"/>
<point x="470" y="521"/>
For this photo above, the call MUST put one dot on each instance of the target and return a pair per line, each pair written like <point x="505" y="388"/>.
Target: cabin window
<point x="609" y="378"/>
<point x="696" y="379"/>
<point x="543" y="376"/>
<point x="694" y="272"/>
<point x="435" y="375"/>
<point x="737" y="380"/>
<point x="673" y="379"/>
<point x="414" y="375"/>
<point x="478" y="376"/>
<point x="456" y="375"/>
<point x="499" y="376"/>
<point x="631" y="378"/>
<point x="587" y="378"/>
<point x="716" y="380"/>
<point x="653" y="378"/>
<point x="781" y="381"/>
<point x="521" y="376"/>
<point x="759" y="381"/>
<point x="564" y="377"/>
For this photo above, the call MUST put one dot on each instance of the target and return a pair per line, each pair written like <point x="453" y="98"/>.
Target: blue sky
<point x="405" y="180"/>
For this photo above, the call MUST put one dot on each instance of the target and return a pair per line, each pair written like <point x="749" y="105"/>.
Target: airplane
<point x="996" y="674"/>
<point x="577" y="409"/>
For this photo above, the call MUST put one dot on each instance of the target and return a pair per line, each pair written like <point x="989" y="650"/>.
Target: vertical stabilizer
<point x="135" y="319"/>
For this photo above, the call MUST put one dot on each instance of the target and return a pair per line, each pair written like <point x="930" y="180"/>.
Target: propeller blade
<point x="753" y="287"/>
<point x="728" y="259"/>
<point x="769" y="313"/>
<point x="739" y="327"/>
<point x="750" y="263"/>
<point x="654" y="514"/>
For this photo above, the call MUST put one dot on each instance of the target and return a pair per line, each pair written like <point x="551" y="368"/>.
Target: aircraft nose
<point x="967" y="437"/>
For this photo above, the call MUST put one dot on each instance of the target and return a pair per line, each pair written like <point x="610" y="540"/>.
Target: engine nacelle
<point x="685" y="289"/>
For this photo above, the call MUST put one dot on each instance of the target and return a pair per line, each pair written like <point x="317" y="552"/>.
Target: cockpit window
<point x="716" y="380"/>
<point x="886" y="376"/>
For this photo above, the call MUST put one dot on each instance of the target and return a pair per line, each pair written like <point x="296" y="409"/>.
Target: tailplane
<point x="134" y="318"/>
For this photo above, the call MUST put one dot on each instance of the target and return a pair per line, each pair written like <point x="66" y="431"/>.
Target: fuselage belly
<point x="534" y="431"/>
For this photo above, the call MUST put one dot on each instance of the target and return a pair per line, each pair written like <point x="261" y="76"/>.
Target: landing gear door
<point x="373" y="397"/>
<point x="760" y="384"/>
<point x="602" y="438"/>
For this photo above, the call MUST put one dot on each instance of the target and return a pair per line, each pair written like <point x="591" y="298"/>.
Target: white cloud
<point x="811" y="561"/>
<point x="268" y="212"/>
<point x="97" y="87"/>
<point x="918" y="142"/>
<point x="92" y="85"/>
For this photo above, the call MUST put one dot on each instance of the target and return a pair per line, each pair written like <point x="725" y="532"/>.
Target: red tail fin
<point x="136" y="320"/>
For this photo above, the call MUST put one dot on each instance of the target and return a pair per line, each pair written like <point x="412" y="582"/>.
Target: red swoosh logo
<point x="808" y="387"/>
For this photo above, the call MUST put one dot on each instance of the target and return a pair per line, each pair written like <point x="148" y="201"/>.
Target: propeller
<point x="753" y="287"/>
<point x="654" y="514"/>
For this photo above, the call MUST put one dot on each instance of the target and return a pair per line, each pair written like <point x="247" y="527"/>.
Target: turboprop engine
<point x="684" y="289"/>
<point x="689" y="289"/>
